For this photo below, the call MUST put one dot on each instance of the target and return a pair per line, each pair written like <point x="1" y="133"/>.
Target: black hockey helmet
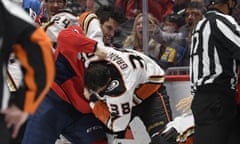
<point x="230" y="7"/>
<point x="212" y="2"/>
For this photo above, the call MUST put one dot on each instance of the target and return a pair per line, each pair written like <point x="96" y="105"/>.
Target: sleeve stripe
<point x="35" y="94"/>
<point x="11" y="83"/>
<point x="28" y="78"/>
<point x="85" y="19"/>
<point x="151" y="88"/>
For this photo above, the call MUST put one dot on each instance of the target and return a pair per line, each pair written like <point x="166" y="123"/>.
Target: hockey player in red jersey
<point x="65" y="110"/>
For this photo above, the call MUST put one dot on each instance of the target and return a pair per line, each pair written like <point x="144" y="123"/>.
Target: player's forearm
<point x="94" y="31"/>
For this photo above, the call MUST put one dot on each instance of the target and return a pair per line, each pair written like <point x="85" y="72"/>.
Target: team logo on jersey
<point x="114" y="84"/>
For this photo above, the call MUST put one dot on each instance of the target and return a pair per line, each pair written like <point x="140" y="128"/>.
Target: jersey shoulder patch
<point x="85" y="19"/>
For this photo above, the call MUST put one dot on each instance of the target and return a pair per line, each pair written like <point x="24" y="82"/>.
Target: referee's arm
<point x="229" y="29"/>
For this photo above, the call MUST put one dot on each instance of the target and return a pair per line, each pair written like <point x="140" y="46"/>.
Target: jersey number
<point x="133" y="59"/>
<point x="123" y="108"/>
<point x="59" y="20"/>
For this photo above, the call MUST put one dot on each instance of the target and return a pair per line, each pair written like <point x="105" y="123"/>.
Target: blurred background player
<point x="51" y="8"/>
<point x="61" y="20"/>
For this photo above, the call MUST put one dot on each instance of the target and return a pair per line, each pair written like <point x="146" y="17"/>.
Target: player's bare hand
<point x="184" y="104"/>
<point x="101" y="51"/>
<point x="15" y="118"/>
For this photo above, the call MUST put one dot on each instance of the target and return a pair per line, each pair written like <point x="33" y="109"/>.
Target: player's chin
<point x="53" y="12"/>
<point x="107" y="40"/>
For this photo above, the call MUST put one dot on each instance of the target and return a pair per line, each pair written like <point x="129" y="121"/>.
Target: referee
<point x="32" y="47"/>
<point x="214" y="58"/>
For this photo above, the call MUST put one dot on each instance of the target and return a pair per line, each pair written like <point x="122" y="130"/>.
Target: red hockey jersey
<point x="70" y="68"/>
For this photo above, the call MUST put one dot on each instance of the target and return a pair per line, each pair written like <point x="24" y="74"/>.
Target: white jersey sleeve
<point x="95" y="31"/>
<point x="91" y="26"/>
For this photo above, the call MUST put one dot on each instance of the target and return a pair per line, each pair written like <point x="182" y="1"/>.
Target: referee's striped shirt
<point x="32" y="47"/>
<point x="215" y="50"/>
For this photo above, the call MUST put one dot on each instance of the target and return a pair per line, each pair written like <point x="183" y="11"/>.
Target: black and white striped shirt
<point x="215" y="50"/>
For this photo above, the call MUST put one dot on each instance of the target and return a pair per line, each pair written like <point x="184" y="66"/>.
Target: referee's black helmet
<point x="212" y="2"/>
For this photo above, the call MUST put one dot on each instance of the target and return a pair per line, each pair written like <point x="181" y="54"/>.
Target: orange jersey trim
<point x="34" y="95"/>
<point x="85" y="19"/>
<point x="101" y="111"/>
<point x="146" y="90"/>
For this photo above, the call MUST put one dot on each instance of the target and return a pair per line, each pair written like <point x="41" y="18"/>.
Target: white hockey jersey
<point x="136" y="77"/>
<point x="58" y="22"/>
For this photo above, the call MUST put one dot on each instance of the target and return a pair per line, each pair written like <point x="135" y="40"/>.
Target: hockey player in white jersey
<point x="125" y="84"/>
<point x="61" y="20"/>
<point x="101" y="25"/>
